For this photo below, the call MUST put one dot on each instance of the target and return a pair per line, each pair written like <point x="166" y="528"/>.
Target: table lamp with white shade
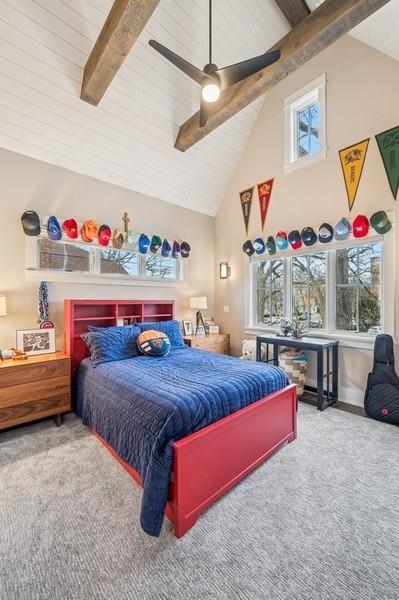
<point x="199" y="303"/>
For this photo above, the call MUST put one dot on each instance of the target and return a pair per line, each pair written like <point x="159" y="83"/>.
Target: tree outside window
<point x="359" y="289"/>
<point x="309" y="277"/>
<point x="269" y="290"/>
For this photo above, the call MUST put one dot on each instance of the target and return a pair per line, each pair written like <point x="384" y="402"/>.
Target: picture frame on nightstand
<point x="188" y="327"/>
<point x="213" y="329"/>
<point x="36" y="341"/>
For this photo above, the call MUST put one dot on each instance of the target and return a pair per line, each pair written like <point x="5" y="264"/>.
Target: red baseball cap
<point x="360" y="226"/>
<point x="70" y="227"/>
<point x="104" y="235"/>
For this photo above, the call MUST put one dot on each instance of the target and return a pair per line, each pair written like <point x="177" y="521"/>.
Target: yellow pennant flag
<point x="352" y="161"/>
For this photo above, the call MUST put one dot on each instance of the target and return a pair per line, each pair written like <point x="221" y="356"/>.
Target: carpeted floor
<point x="319" y="520"/>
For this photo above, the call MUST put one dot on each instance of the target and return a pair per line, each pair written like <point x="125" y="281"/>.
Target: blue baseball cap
<point x="185" y="249"/>
<point x="294" y="238"/>
<point x="166" y="248"/>
<point x="326" y="233"/>
<point x="271" y="245"/>
<point x="259" y="246"/>
<point x="54" y="229"/>
<point x="144" y="243"/>
<point x="342" y="229"/>
<point x="176" y="249"/>
<point x="308" y="236"/>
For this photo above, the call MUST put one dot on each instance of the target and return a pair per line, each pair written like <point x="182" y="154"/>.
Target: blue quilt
<point x="141" y="406"/>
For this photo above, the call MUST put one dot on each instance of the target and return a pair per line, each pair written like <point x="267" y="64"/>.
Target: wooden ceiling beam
<point x="326" y="24"/>
<point x="293" y="10"/>
<point x="125" y="22"/>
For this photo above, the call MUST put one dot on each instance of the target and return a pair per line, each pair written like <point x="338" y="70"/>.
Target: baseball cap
<point x="104" y="235"/>
<point x="326" y="233"/>
<point x="88" y="231"/>
<point x="259" y="246"/>
<point x="281" y="240"/>
<point x="308" y="236"/>
<point x="271" y="245"/>
<point x="360" y="226"/>
<point x="176" y="249"/>
<point x="166" y="248"/>
<point x="248" y="248"/>
<point x="31" y="223"/>
<point x="144" y="243"/>
<point x="117" y="239"/>
<point x="342" y="229"/>
<point x="156" y="243"/>
<point x="294" y="239"/>
<point x="185" y="249"/>
<point x="131" y="240"/>
<point x="70" y="227"/>
<point x="380" y="223"/>
<point x="54" y="229"/>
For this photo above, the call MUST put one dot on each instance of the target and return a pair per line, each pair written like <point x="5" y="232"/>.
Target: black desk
<point x="324" y="397"/>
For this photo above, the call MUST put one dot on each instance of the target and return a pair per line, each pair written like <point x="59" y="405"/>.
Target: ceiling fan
<point x="212" y="79"/>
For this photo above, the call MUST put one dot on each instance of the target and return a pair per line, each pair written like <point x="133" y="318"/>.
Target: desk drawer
<point x="36" y="390"/>
<point x="26" y="373"/>
<point x="29" y="411"/>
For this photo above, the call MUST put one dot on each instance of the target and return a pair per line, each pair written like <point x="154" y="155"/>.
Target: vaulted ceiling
<point x="129" y="138"/>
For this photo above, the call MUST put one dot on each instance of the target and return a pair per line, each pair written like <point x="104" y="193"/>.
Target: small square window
<point x="305" y="137"/>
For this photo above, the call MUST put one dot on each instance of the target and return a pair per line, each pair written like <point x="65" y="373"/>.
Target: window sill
<point x="362" y="342"/>
<point x="300" y="163"/>
<point x="63" y="277"/>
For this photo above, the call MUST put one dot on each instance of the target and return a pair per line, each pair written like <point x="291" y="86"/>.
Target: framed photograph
<point x="213" y="328"/>
<point x="36" y="341"/>
<point x="188" y="327"/>
<point x="208" y="323"/>
<point x="200" y="330"/>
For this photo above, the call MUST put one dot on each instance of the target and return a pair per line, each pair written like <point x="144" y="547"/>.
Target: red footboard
<point x="208" y="463"/>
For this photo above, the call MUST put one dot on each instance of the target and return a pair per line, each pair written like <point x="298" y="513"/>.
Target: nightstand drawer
<point x="28" y="392"/>
<point x="29" y="411"/>
<point x="27" y="373"/>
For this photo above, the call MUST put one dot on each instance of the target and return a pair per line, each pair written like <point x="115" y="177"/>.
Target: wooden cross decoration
<point x="126" y="221"/>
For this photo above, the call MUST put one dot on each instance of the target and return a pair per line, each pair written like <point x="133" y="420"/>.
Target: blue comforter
<point x="142" y="405"/>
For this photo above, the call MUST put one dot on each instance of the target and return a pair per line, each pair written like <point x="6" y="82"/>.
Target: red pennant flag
<point x="264" y="193"/>
<point x="246" y="203"/>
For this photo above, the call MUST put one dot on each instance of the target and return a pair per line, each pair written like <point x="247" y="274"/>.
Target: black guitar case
<point x="381" y="399"/>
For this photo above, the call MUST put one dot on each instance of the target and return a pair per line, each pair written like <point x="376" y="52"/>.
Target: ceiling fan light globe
<point x="210" y="92"/>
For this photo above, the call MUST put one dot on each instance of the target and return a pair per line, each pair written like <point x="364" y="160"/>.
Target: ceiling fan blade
<point x="234" y="73"/>
<point x="187" y="68"/>
<point x="203" y="113"/>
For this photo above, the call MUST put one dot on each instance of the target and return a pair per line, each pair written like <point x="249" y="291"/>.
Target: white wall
<point x="27" y="183"/>
<point x="362" y="100"/>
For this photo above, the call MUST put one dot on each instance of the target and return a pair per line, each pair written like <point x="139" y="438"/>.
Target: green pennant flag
<point x="388" y="144"/>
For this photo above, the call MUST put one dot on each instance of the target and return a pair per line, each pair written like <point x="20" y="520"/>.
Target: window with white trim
<point x="305" y="125"/>
<point x="336" y="290"/>
<point x="107" y="262"/>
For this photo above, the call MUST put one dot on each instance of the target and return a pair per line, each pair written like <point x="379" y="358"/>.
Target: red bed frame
<point x="240" y="441"/>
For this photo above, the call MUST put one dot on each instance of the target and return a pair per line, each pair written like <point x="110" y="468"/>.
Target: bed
<point x="166" y="419"/>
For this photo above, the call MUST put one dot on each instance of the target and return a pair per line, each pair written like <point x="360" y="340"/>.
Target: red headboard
<point x="78" y="314"/>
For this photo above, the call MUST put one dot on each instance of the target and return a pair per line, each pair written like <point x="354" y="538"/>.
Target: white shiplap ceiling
<point x="381" y="30"/>
<point x="128" y="139"/>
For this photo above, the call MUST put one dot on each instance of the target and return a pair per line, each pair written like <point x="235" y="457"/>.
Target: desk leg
<point x="335" y="372"/>
<point x="320" y="380"/>
<point x="275" y="354"/>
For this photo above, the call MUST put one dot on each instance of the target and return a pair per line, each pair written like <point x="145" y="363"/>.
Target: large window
<point x="332" y="290"/>
<point x="359" y="289"/>
<point x="305" y="125"/>
<point x="70" y="257"/>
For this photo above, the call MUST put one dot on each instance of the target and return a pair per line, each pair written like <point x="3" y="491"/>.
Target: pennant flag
<point x="264" y="193"/>
<point x="388" y="144"/>
<point x="246" y="203"/>
<point x="352" y="161"/>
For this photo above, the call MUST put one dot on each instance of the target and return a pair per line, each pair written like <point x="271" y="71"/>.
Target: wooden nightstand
<point x="214" y="342"/>
<point x="34" y="388"/>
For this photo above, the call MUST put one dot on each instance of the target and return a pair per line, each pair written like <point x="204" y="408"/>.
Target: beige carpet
<point x="319" y="520"/>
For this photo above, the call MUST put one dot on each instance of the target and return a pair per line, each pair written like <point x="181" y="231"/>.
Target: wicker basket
<point x="294" y="363"/>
